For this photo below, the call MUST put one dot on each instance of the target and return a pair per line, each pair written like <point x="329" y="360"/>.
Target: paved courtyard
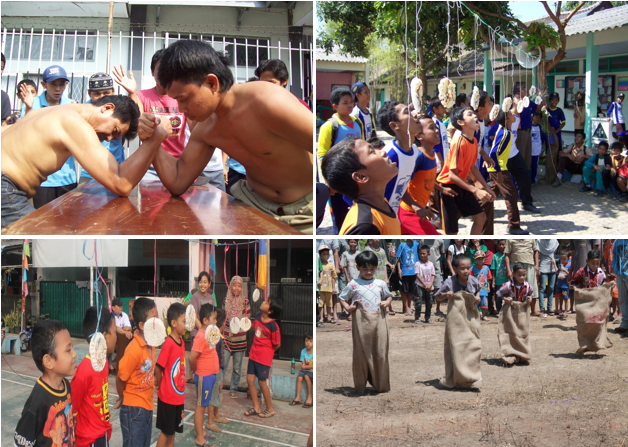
<point x="564" y="210"/>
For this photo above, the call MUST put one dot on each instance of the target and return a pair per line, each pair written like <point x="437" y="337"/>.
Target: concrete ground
<point x="564" y="210"/>
<point x="289" y="427"/>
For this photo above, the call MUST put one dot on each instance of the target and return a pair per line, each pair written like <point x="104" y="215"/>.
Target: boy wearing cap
<point x="361" y="110"/>
<point x="557" y="122"/>
<point x="101" y="84"/>
<point x="54" y="81"/>
<point x="616" y="115"/>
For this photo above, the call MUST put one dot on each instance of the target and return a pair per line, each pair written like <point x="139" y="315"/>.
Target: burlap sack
<point x="463" y="346"/>
<point x="591" y="317"/>
<point x="513" y="332"/>
<point x="370" y="350"/>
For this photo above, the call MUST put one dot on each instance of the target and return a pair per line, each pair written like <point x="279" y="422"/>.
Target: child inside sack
<point x="135" y="382"/>
<point x="591" y="275"/>
<point x="90" y="388"/>
<point x="47" y="418"/>
<point x="307" y="372"/>
<point x="517" y="289"/>
<point x="369" y="326"/>
<point x="266" y="341"/>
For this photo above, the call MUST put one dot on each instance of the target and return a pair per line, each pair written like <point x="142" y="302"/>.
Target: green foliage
<point x="540" y="35"/>
<point x="13" y="319"/>
<point x="569" y="6"/>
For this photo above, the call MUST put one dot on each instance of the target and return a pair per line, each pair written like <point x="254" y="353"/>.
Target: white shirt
<point x="513" y="146"/>
<point x="122" y="321"/>
<point x="537" y="144"/>
<point x="397" y="187"/>
<point x="442" y="130"/>
<point x="365" y="118"/>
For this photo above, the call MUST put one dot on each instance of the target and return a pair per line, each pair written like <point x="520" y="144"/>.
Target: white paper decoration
<point x="544" y="109"/>
<point x="212" y="335"/>
<point x="154" y="332"/>
<point x="538" y="100"/>
<point x="190" y="318"/>
<point x="234" y="325"/>
<point x="532" y="91"/>
<point x="245" y="324"/>
<point x="447" y="92"/>
<point x="520" y="106"/>
<point x="494" y="111"/>
<point x="526" y="102"/>
<point x="475" y="98"/>
<point x="507" y="105"/>
<point x="416" y="89"/>
<point x="98" y="351"/>
<point x="256" y="295"/>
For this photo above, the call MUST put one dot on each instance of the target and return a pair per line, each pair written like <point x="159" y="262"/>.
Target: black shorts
<point x="408" y="285"/>
<point x="101" y="442"/>
<point x="260" y="371"/>
<point x="169" y="418"/>
<point x="464" y="203"/>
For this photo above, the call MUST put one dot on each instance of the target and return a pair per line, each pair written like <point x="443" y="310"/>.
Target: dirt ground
<point x="559" y="399"/>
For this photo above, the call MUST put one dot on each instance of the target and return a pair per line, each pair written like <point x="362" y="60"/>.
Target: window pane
<point x="568" y="67"/>
<point x="603" y="65"/>
<point x="619" y="63"/>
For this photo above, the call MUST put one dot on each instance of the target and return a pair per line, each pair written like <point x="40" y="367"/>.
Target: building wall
<point x="325" y="80"/>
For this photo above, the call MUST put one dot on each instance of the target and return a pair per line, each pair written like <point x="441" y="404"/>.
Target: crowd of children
<point x="60" y="412"/>
<point x="422" y="181"/>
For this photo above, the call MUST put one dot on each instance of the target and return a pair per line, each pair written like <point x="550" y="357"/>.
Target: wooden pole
<point x="110" y="28"/>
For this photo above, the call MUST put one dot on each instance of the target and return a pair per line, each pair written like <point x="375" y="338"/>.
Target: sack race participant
<point x="514" y="331"/>
<point x="370" y="350"/>
<point x="591" y="317"/>
<point x="463" y="346"/>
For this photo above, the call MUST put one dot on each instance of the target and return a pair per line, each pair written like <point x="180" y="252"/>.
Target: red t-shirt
<point x="90" y="405"/>
<point x="305" y="104"/>
<point x="266" y="337"/>
<point x="166" y="107"/>
<point x="172" y="360"/>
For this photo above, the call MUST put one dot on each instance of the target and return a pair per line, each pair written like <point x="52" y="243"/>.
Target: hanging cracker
<point x="234" y="325"/>
<point x="154" y="332"/>
<point x="190" y="318"/>
<point x="98" y="351"/>
<point x="245" y="324"/>
<point x="475" y="98"/>
<point x="256" y="295"/>
<point x="416" y="89"/>
<point x="494" y="111"/>
<point x="447" y="92"/>
<point x="212" y="335"/>
<point x="507" y="105"/>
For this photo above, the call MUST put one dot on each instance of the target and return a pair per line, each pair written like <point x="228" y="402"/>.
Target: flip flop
<point x="266" y="414"/>
<point x="221" y="420"/>
<point x="295" y="402"/>
<point x="207" y="444"/>
<point x="391" y="313"/>
<point x="233" y="395"/>
<point x="251" y="412"/>
<point x="209" y="436"/>
<point x="306" y="405"/>
<point x="213" y="427"/>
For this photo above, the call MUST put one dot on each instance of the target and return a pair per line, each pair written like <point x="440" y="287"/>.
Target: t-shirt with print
<point x="327" y="274"/>
<point x="167" y="108"/>
<point x="90" y="393"/>
<point x="462" y="155"/>
<point x="408" y="256"/>
<point x="585" y="278"/>
<point x="368" y="292"/>
<point x="382" y="259"/>
<point x="397" y="186"/>
<point x="307" y="358"/>
<point x="47" y="418"/>
<point x="348" y="261"/>
<point x="137" y="369"/>
<point x="499" y="265"/>
<point x="207" y="362"/>
<point x="538" y="138"/>
<point x="518" y="293"/>
<point x="483" y="275"/>
<point x="422" y="181"/>
<point x="521" y="250"/>
<point x="426" y="271"/>
<point x="500" y="150"/>
<point x="452" y="284"/>
<point x="562" y="283"/>
<point x="365" y="118"/>
<point x="266" y="337"/>
<point x="172" y="362"/>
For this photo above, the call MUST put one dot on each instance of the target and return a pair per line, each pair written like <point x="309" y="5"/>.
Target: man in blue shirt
<point x="620" y="267"/>
<point x="408" y="254"/>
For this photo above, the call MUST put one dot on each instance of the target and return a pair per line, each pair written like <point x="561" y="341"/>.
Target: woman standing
<point x="578" y="113"/>
<point x="234" y="305"/>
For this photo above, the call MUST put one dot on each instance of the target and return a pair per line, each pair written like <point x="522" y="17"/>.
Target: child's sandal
<point x="266" y="414"/>
<point x="295" y="402"/>
<point x="251" y="412"/>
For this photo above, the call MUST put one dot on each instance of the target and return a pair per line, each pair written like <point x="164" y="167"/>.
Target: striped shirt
<point x="501" y="149"/>
<point x="616" y="113"/>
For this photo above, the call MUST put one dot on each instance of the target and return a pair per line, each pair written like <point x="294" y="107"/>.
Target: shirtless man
<point x="39" y="144"/>
<point x="261" y="125"/>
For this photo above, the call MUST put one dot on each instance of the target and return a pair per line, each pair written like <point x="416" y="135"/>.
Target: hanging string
<point x="405" y="8"/>
<point x="447" y="47"/>
<point x="155" y="283"/>
<point x="459" y="52"/>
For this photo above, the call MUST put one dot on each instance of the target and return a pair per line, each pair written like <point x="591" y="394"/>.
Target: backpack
<point x="334" y="128"/>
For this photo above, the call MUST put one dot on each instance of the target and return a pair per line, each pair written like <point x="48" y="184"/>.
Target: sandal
<point x="306" y="405"/>
<point x="213" y="427"/>
<point x="233" y="395"/>
<point x="320" y="324"/>
<point x="543" y="316"/>
<point x="266" y="414"/>
<point x="221" y="420"/>
<point x="251" y="412"/>
<point x="206" y="444"/>
<point x="295" y="402"/>
<point x="391" y="313"/>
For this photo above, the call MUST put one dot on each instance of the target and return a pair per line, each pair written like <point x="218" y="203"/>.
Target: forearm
<point x="172" y="173"/>
<point x="479" y="179"/>
<point x="119" y="330"/>
<point x="120" y="386"/>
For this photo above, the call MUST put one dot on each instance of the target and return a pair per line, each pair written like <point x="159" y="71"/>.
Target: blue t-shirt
<point x="563" y="283"/>
<point x="408" y="256"/>
<point x="236" y="166"/>
<point x="67" y="174"/>
<point x="556" y="118"/>
<point x="526" y="116"/>
<point x="620" y="257"/>
<point x="305" y="356"/>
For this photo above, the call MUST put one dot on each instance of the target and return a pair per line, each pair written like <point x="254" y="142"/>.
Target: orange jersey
<point x="422" y="182"/>
<point x="461" y="156"/>
<point x="137" y="369"/>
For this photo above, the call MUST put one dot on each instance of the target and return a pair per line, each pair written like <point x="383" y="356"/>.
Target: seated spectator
<point x="596" y="173"/>
<point x="572" y="159"/>
<point x="619" y="173"/>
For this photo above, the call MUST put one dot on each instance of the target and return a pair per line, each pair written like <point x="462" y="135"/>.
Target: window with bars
<point x="83" y="50"/>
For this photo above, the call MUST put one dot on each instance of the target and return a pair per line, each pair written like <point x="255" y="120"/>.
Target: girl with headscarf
<point x="547" y="271"/>
<point x="235" y="305"/>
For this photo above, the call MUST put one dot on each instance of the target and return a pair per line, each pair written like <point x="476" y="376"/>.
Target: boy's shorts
<point x="465" y="203"/>
<point x="216" y="399"/>
<point x="102" y="441"/>
<point x="408" y="285"/>
<point x="326" y="299"/>
<point x="260" y="371"/>
<point x="483" y="301"/>
<point x="169" y="418"/>
<point x="204" y="389"/>
<point x="306" y="373"/>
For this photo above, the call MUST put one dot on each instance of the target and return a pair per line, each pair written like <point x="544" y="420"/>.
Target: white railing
<point x="84" y="52"/>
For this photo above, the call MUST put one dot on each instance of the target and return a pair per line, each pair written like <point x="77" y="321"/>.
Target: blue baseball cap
<point x="355" y="88"/>
<point x="53" y="73"/>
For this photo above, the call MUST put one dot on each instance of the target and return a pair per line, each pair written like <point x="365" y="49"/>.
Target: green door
<point x="65" y="302"/>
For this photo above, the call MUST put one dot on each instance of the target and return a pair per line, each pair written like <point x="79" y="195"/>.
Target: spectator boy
<point x="361" y="110"/>
<point x="572" y="160"/>
<point x="596" y="173"/>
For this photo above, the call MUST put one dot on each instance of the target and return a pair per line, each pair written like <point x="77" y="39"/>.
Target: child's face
<point x="564" y="259"/>
<point x="479" y="262"/>
<point x="593" y="264"/>
<point x="464" y="269"/>
<point x="55" y="88"/>
<point x="439" y="111"/>
<point x="236" y="288"/>
<point x="501" y="246"/>
<point x="423" y="255"/>
<point x="368" y="271"/>
<point x="374" y="243"/>
<point x="32" y="89"/>
<point x="203" y="284"/>
<point x="353" y="245"/>
<point x="459" y="241"/>
<point x="344" y="106"/>
<point x="151" y="314"/>
<point x="178" y="325"/>
<point x="65" y="362"/>
<point x="95" y="96"/>
<point x="324" y="255"/>
<point x="601" y="150"/>
<point x="430" y="135"/>
<point x="377" y="166"/>
<point x="469" y="120"/>
<point x="620" y="100"/>
<point x="212" y="319"/>
<point x="616" y="152"/>
<point x="578" y="138"/>
<point x="520" y="276"/>
<point x="554" y="101"/>
<point x="269" y="76"/>
<point x="364" y="97"/>
<point x="309" y="343"/>
<point x="111" y="338"/>
<point x="484" y="110"/>
<point x="265" y="306"/>
<point x="536" y="119"/>
<point x="405" y="123"/>
<point x="510" y="119"/>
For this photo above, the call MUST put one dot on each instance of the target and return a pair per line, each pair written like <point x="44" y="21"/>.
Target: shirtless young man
<point x="39" y="144"/>
<point x="261" y="125"/>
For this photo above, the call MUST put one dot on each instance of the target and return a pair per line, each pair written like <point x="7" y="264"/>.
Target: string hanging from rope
<point x="405" y="8"/>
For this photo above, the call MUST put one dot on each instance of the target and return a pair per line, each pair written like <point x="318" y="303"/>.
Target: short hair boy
<point x="361" y="110"/>
<point x="307" y="372"/>
<point x="591" y="275"/>
<point x="342" y="124"/>
<point x="90" y="388"/>
<point x="135" y="382"/>
<point x="355" y="169"/>
<point x="596" y="173"/>
<point x="215" y="402"/>
<point x="47" y="415"/>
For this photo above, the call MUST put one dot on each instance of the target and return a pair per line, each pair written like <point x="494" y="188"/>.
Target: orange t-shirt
<point x="207" y="362"/>
<point x="137" y="369"/>
<point x="461" y="156"/>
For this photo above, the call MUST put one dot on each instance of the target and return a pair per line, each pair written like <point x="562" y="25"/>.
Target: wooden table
<point x="150" y="209"/>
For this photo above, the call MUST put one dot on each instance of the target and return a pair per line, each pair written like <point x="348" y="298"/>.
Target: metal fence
<point x="147" y="288"/>
<point x="84" y="52"/>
